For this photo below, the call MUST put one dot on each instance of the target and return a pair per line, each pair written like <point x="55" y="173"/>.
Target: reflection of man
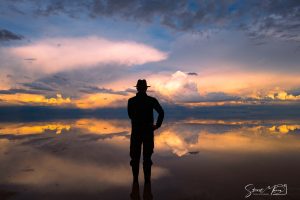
<point x="140" y="111"/>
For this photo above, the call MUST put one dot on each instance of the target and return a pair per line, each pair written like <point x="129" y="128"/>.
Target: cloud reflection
<point x="100" y="126"/>
<point x="64" y="172"/>
<point x="179" y="137"/>
<point x="32" y="128"/>
<point x="231" y="136"/>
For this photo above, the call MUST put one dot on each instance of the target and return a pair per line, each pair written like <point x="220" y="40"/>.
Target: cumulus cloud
<point x="60" y="54"/>
<point x="177" y="87"/>
<point x="283" y="95"/>
<point x="180" y="87"/>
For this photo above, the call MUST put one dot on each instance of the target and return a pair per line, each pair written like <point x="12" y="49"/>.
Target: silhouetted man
<point x="140" y="111"/>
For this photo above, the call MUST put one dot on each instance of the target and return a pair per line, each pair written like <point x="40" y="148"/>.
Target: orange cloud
<point x="34" y="99"/>
<point x="101" y="100"/>
<point x="248" y="84"/>
<point x="283" y="95"/>
<point x="58" y="54"/>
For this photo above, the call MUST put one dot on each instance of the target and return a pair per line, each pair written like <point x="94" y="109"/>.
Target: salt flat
<point x="193" y="159"/>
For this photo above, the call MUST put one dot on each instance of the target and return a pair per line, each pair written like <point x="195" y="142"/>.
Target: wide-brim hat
<point x="142" y="83"/>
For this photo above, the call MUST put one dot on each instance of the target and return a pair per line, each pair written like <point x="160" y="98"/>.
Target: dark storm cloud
<point x="78" y="82"/>
<point x="38" y="86"/>
<point x="32" y="88"/>
<point x="6" y="35"/>
<point x="275" y="18"/>
<point x="73" y="91"/>
<point x="192" y="74"/>
<point x="294" y="91"/>
<point x="17" y="90"/>
<point x="284" y="28"/>
<point x="221" y="96"/>
<point x="71" y="84"/>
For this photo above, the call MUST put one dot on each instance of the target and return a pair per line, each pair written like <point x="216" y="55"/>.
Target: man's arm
<point x="160" y="112"/>
<point x="129" y="109"/>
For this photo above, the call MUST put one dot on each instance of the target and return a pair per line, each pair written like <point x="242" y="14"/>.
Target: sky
<point x="90" y="54"/>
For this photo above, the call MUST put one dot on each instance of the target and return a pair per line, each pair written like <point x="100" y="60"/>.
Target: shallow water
<point x="193" y="159"/>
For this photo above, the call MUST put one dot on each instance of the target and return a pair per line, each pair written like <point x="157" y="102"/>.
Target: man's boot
<point x="135" y="191"/>
<point x="147" y="194"/>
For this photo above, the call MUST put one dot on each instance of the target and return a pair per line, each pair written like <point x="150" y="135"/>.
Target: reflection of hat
<point x="142" y="83"/>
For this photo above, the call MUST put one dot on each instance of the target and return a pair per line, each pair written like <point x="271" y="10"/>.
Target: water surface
<point x="193" y="159"/>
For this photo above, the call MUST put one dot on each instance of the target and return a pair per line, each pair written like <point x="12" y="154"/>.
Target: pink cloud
<point x="59" y="54"/>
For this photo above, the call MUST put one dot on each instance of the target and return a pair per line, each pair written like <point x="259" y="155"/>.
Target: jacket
<point x="140" y="110"/>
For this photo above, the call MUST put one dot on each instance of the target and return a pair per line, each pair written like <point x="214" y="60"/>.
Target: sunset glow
<point x="95" y="62"/>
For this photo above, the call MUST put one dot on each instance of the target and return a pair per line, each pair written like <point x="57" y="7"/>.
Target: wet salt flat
<point x="193" y="159"/>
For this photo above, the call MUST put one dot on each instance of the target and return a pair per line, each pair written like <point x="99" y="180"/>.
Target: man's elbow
<point x="162" y="113"/>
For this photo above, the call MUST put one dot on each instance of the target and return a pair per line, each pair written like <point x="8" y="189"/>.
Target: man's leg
<point x="148" y="145"/>
<point x="135" y="154"/>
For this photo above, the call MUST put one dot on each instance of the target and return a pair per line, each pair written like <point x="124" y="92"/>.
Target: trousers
<point x="141" y="135"/>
